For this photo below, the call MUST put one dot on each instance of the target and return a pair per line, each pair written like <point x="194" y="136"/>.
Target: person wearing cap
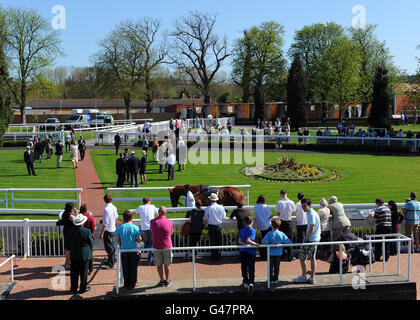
<point x="133" y="164"/>
<point x="214" y="215"/>
<point x="80" y="254"/>
<point x="341" y="224"/>
<point x="59" y="152"/>
<point x="29" y="157"/>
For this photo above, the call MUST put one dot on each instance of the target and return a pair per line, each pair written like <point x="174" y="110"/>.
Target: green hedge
<point x="11" y="144"/>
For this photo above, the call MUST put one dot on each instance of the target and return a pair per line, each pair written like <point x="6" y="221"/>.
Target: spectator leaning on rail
<point x="300" y="219"/>
<point x="397" y="218"/>
<point x="411" y="212"/>
<point x="162" y="229"/>
<point x="127" y="235"/>
<point x="275" y="237"/>
<point x="240" y="213"/>
<point x="263" y="216"/>
<point x="383" y="222"/>
<point x="247" y="255"/>
<point x="196" y="218"/>
<point x="313" y="234"/>
<point x="80" y="254"/>
<point x="285" y="209"/>
<point x="324" y="217"/>
<point x="109" y="219"/>
<point x="341" y="224"/>
<point x="147" y="212"/>
<point x="214" y="215"/>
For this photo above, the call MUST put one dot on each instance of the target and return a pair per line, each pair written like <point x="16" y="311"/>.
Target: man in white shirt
<point x="171" y="164"/>
<point x="301" y="221"/>
<point x="285" y="209"/>
<point x="190" y="197"/>
<point x="147" y="212"/>
<point x="215" y="214"/>
<point x="109" y="218"/>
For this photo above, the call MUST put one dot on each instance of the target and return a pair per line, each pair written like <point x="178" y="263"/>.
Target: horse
<point x="228" y="196"/>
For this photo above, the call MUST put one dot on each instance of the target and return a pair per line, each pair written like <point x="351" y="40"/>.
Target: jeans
<point x="148" y="243"/>
<point x="301" y="233"/>
<point x="109" y="244"/>
<point x="170" y="172"/>
<point x="247" y="267"/>
<point x="215" y="234"/>
<point x="129" y="262"/>
<point x="275" y="267"/>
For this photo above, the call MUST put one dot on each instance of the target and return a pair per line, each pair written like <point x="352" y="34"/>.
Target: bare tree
<point x="197" y="50"/>
<point x="31" y="46"/>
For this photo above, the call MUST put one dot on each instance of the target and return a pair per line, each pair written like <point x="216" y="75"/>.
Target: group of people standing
<point x="129" y="167"/>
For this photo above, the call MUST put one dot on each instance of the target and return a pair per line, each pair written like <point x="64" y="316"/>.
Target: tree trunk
<point x="149" y="98"/>
<point x="365" y="106"/>
<point x="23" y="102"/>
<point x="259" y="102"/>
<point x="127" y="103"/>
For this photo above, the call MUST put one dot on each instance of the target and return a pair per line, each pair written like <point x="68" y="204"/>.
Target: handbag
<point x="185" y="230"/>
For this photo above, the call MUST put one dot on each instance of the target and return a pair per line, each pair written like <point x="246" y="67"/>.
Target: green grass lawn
<point x="363" y="178"/>
<point x="13" y="174"/>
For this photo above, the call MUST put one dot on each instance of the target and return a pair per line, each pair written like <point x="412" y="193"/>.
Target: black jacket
<point x="121" y="166"/>
<point x="133" y="164"/>
<point x="117" y="140"/>
<point x="29" y="156"/>
<point x="58" y="149"/>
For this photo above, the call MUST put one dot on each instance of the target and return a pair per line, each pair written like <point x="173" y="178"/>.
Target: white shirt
<point x="190" y="200"/>
<point x="285" y="208"/>
<point x="147" y="212"/>
<point x="262" y="216"/>
<point x="214" y="214"/>
<point x="109" y="216"/>
<point x="300" y="215"/>
<point x="171" y="159"/>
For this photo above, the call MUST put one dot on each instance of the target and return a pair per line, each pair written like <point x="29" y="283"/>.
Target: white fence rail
<point x="20" y="200"/>
<point x="398" y="239"/>
<point x="141" y="189"/>
<point x="10" y="259"/>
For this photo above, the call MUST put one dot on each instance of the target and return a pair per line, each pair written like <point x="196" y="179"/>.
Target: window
<point x="312" y="108"/>
<point x="230" y="109"/>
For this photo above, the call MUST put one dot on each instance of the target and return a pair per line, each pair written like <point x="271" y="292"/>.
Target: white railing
<point x="10" y="259"/>
<point x="110" y="190"/>
<point x="5" y="201"/>
<point x="19" y="200"/>
<point x="400" y="238"/>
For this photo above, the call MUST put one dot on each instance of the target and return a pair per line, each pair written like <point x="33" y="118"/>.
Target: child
<point x="275" y="237"/>
<point x="334" y="259"/>
<point x="247" y="255"/>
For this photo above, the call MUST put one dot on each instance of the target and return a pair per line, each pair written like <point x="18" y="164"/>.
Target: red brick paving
<point x="34" y="276"/>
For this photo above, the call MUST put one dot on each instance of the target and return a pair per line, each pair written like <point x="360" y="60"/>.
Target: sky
<point x="89" y="21"/>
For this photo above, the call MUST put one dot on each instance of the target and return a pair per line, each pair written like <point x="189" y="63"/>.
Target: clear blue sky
<point x="88" y="21"/>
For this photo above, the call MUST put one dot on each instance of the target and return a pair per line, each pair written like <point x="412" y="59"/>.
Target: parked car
<point x="99" y="121"/>
<point x="53" y="128"/>
<point x="76" y="120"/>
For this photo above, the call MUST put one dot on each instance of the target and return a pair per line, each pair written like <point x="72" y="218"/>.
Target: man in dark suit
<point x="80" y="254"/>
<point x="133" y="164"/>
<point x="82" y="147"/>
<point x="40" y="147"/>
<point x="29" y="157"/>
<point x="117" y="143"/>
<point x="121" y="166"/>
<point x="127" y="173"/>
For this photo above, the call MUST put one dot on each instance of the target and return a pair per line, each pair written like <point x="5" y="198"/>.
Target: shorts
<point x="162" y="257"/>
<point x="412" y="230"/>
<point x="307" y="252"/>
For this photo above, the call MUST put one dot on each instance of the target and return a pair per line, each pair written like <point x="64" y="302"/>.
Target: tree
<point x="380" y="113"/>
<point x="344" y="73"/>
<point x="32" y="46"/>
<point x="267" y="64"/>
<point x="313" y="43"/>
<point x="296" y="94"/>
<point x="198" y="51"/>
<point x="5" y="96"/>
<point x="241" y="73"/>
<point x="120" y="55"/>
<point x="372" y="53"/>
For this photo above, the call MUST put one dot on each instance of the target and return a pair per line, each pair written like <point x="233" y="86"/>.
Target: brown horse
<point x="228" y="196"/>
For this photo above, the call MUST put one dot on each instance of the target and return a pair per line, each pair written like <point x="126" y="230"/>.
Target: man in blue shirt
<point x="127" y="234"/>
<point x="313" y="234"/>
<point x="247" y="236"/>
<point x="411" y="212"/>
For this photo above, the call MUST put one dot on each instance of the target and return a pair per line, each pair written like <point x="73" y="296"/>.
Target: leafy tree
<point x="198" y="51"/>
<point x="32" y="46"/>
<point x="296" y="94"/>
<point x="266" y="67"/>
<point x="5" y="95"/>
<point x="242" y="65"/>
<point x="380" y="113"/>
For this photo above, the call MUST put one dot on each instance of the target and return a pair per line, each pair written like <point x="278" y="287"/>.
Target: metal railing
<point x="19" y="200"/>
<point x="110" y="190"/>
<point x="10" y="259"/>
<point x="400" y="239"/>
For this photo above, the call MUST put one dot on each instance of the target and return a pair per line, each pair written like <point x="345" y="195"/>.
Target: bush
<point x="14" y="144"/>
